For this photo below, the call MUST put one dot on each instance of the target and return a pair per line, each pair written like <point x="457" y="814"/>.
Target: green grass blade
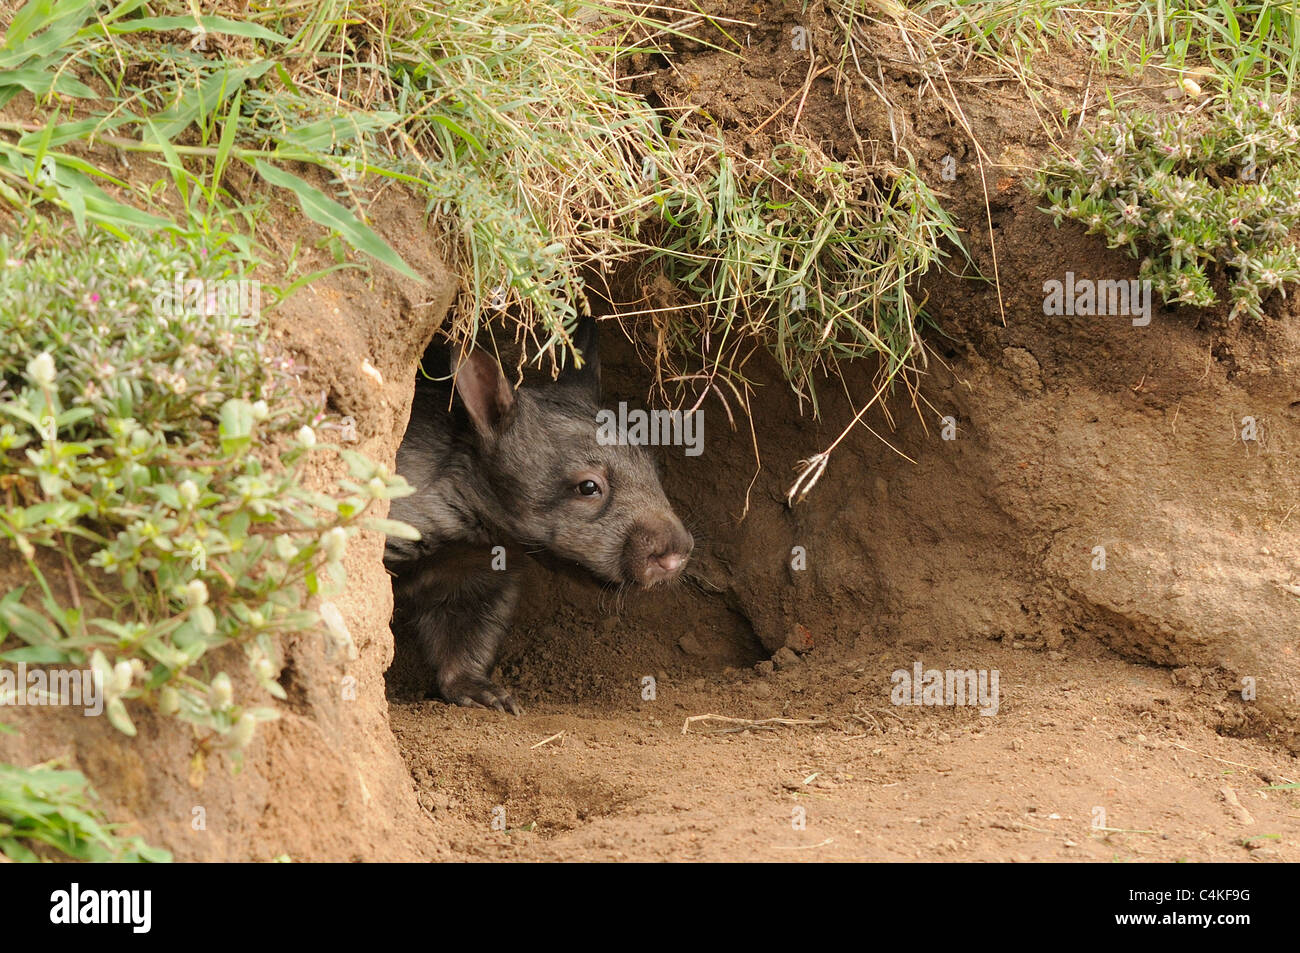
<point x="323" y="210"/>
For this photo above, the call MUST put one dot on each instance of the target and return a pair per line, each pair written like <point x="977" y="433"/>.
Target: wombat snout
<point x="656" y="552"/>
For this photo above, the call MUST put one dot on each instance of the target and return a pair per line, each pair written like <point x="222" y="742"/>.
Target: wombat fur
<point x="519" y="469"/>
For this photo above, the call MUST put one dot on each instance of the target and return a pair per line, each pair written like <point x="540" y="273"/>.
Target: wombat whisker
<point x="608" y="601"/>
<point x="694" y="527"/>
<point x="620" y="597"/>
<point x="700" y="582"/>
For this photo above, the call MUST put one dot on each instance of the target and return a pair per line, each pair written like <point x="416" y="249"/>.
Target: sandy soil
<point x="1089" y="758"/>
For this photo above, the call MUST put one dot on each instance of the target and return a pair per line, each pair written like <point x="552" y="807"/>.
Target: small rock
<point x="762" y="689"/>
<point x="690" y="645"/>
<point x="1024" y="368"/>
<point x="764" y="667"/>
<point x="784" y="658"/>
<point x="800" y="639"/>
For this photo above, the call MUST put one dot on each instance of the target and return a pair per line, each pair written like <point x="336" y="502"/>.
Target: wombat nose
<point x="664" y="561"/>
<point x="669" y="562"/>
<point x="661" y="567"/>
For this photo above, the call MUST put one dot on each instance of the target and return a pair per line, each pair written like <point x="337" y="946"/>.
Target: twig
<point x="1235" y="764"/>
<point x="746" y="723"/>
<point x="802" y="92"/>
<point x="804" y="846"/>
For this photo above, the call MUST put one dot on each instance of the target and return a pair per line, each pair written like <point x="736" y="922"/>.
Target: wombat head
<point x="599" y="506"/>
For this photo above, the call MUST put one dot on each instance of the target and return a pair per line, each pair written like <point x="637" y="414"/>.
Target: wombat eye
<point x="588" y="488"/>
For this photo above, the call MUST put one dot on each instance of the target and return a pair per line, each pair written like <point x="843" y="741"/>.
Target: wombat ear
<point x="587" y="341"/>
<point x="487" y="394"/>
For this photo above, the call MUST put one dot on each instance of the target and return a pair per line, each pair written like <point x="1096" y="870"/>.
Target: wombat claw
<point x="481" y="693"/>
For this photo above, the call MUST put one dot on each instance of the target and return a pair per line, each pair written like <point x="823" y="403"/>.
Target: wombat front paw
<point x="474" y="692"/>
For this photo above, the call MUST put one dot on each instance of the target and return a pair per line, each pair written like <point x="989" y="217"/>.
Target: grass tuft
<point x="814" y="258"/>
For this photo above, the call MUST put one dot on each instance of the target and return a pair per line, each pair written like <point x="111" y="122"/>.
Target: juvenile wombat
<point x="521" y="469"/>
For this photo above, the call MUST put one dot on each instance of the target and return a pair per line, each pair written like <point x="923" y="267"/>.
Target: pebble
<point x="690" y="645"/>
<point x="784" y="659"/>
<point x="799" y="638"/>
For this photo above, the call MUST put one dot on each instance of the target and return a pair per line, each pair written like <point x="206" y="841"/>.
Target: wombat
<point x="523" y="470"/>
